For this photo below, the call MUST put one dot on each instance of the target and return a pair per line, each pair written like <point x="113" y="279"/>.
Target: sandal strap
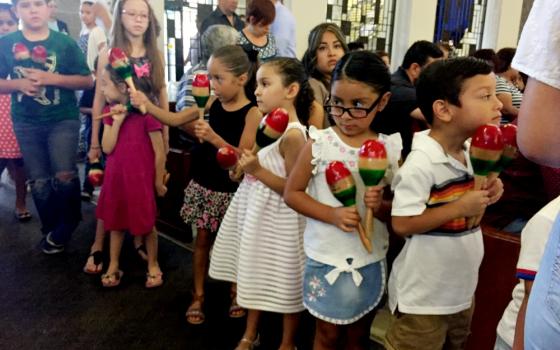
<point x="97" y="257"/>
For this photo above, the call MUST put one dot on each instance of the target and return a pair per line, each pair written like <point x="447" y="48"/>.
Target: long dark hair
<point x="239" y="61"/>
<point x="292" y="71"/>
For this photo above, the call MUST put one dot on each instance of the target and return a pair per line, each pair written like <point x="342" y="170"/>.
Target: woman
<point x="256" y="35"/>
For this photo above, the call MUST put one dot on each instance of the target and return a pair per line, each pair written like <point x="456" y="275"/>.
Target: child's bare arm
<point x="295" y="196"/>
<point x="164" y="115"/>
<point x="111" y="132"/>
<point x="72" y="82"/>
<point x="248" y="136"/>
<point x="24" y="85"/>
<point x="472" y="203"/>
<point x="520" y="324"/>
<point x="156" y="137"/>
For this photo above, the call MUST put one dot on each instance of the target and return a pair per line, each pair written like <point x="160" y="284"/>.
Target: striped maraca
<point x="486" y="149"/>
<point x="121" y="64"/>
<point x="372" y="163"/>
<point x="343" y="187"/>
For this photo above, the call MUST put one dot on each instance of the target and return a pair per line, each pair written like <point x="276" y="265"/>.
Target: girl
<point x="135" y="30"/>
<point x="260" y="15"/>
<point x="233" y="121"/>
<point x="342" y="282"/>
<point x="260" y="243"/>
<point x="10" y="154"/>
<point x="326" y="46"/>
<point x="135" y="163"/>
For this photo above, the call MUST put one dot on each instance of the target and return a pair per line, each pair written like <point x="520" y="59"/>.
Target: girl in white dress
<point x="260" y="241"/>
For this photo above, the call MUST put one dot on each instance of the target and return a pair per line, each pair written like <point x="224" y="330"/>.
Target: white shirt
<point x="436" y="272"/>
<point x="538" y="51"/>
<point x="324" y="242"/>
<point x="284" y="31"/>
<point x="96" y="38"/>
<point x="533" y="242"/>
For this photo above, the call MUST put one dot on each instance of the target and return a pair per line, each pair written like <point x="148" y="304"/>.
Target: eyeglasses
<point x="354" y="112"/>
<point x="134" y="15"/>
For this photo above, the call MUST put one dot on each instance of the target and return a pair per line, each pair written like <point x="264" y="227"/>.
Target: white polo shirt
<point x="533" y="241"/>
<point x="436" y="272"/>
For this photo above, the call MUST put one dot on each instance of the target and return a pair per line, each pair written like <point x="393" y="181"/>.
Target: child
<point x="135" y="30"/>
<point x="92" y="38"/>
<point x="135" y="163"/>
<point x="260" y="242"/>
<point x="46" y="117"/>
<point x="233" y="121"/>
<point x="10" y="154"/>
<point x="342" y="282"/>
<point x="432" y="283"/>
<point x="533" y="241"/>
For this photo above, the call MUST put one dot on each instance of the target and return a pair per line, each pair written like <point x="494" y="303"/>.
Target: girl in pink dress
<point x="10" y="156"/>
<point x="135" y="166"/>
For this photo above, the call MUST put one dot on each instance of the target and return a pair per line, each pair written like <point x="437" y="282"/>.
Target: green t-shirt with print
<point x="57" y="54"/>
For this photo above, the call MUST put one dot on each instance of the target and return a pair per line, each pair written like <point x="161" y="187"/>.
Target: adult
<point x="223" y="14"/>
<point x="506" y="77"/>
<point x="284" y="30"/>
<point x="256" y="35"/>
<point x="213" y="38"/>
<point x="54" y="23"/>
<point x="402" y="110"/>
<point x="538" y="56"/>
<point x="325" y="47"/>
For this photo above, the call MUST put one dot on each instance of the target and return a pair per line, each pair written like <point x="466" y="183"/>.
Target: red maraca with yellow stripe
<point x="343" y="187"/>
<point x="372" y="164"/>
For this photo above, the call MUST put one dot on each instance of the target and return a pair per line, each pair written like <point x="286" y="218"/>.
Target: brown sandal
<point x="235" y="311"/>
<point x="194" y="314"/>
<point x="248" y="344"/>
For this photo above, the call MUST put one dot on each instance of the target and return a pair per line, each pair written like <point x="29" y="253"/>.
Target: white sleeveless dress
<point x="260" y="242"/>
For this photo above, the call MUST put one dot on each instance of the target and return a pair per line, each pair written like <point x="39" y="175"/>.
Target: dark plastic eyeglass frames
<point x="354" y="112"/>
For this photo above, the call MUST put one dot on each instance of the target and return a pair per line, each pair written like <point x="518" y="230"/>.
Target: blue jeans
<point x="49" y="151"/>
<point x="542" y="322"/>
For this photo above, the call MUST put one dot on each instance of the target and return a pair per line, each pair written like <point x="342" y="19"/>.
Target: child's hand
<point x="373" y="197"/>
<point x="120" y="113"/>
<point x="161" y="189"/>
<point x="27" y="87"/>
<point x="40" y="77"/>
<point x="345" y="218"/>
<point x="236" y="174"/>
<point x="473" y="203"/>
<point x="249" y="162"/>
<point x="203" y="131"/>
<point x="495" y="190"/>
<point x="138" y="98"/>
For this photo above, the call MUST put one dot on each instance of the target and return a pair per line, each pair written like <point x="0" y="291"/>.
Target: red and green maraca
<point x="372" y="164"/>
<point x="343" y="187"/>
<point x="509" y="138"/>
<point x="486" y="149"/>
<point x="39" y="56"/>
<point x="201" y="92"/>
<point x="121" y="64"/>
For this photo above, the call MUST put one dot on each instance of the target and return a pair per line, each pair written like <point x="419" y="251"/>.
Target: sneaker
<point x="86" y="196"/>
<point x="49" y="247"/>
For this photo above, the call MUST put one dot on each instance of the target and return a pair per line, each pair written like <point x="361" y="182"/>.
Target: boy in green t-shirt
<point x="45" y="68"/>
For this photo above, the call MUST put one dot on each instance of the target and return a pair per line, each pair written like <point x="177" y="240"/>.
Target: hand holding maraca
<point x="121" y="64"/>
<point x="249" y="162"/>
<point x="346" y="218"/>
<point x="203" y="131"/>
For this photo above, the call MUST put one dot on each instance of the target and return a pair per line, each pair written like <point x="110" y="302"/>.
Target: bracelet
<point x="95" y="147"/>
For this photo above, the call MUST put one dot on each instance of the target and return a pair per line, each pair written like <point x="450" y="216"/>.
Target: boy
<point x="92" y="38"/>
<point x="433" y="280"/>
<point x="533" y="242"/>
<point x="45" y="67"/>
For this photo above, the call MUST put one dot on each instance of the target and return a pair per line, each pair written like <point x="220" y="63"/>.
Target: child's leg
<point x="140" y="247"/>
<point x="204" y="241"/>
<point x="416" y="332"/>
<point x="249" y="339"/>
<point x="459" y="329"/>
<point x="94" y="263"/>
<point x="289" y="330"/>
<point x="326" y="335"/>
<point x="113" y="275"/>
<point x="18" y="172"/>
<point x="154" y="276"/>
<point x="357" y="333"/>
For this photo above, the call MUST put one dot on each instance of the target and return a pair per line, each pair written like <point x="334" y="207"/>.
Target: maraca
<point x="95" y="174"/>
<point x="509" y="138"/>
<point x="343" y="187"/>
<point x="226" y="157"/>
<point x="121" y="64"/>
<point x="372" y="163"/>
<point x="39" y="56"/>
<point x="21" y="52"/>
<point x="486" y="149"/>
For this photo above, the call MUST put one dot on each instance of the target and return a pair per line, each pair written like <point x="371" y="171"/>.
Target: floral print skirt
<point x="203" y="207"/>
<point x="342" y="302"/>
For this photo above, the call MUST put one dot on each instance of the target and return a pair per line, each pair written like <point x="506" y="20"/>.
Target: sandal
<point x="153" y="281"/>
<point x="235" y="311"/>
<point x="94" y="263"/>
<point x="110" y="280"/>
<point x="194" y="314"/>
<point x="248" y="344"/>
<point x="23" y="216"/>
<point x="142" y="252"/>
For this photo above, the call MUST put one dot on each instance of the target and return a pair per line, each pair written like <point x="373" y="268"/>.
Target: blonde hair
<point x="120" y="40"/>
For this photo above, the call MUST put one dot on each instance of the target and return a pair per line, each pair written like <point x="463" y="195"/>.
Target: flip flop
<point x="153" y="281"/>
<point x="111" y="280"/>
<point x="236" y="311"/>
<point x="96" y="259"/>
<point x="23" y="216"/>
<point x="194" y="314"/>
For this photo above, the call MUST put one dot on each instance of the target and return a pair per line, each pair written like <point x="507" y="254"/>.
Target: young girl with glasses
<point x="343" y="283"/>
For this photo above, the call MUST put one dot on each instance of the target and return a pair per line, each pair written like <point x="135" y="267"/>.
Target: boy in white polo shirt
<point x="434" y="277"/>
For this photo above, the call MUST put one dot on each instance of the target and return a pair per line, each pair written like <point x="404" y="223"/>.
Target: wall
<point x="308" y="13"/>
<point x="501" y="24"/>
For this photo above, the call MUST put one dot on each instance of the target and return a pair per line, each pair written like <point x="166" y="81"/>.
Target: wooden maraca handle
<point x="108" y="114"/>
<point x="364" y="238"/>
<point x="130" y="84"/>
<point x="369" y="223"/>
